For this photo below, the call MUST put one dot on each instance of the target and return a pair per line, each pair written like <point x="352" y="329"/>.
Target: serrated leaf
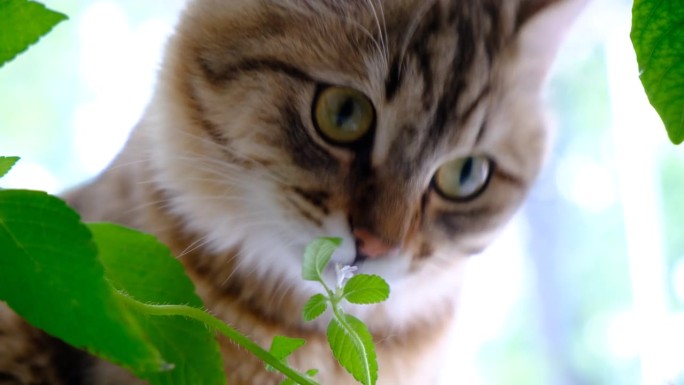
<point x="658" y="39"/>
<point x="23" y="23"/>
<point x="316" y="256"/>
<point x="352" y="346"/>
<point x="143" y="268"/>
<point x="6" y="164"/>
<point x="314" y="307"/>
<point x="282" y="347"/>
<point x="363" y="289"/>
<point x="51" y="277"/>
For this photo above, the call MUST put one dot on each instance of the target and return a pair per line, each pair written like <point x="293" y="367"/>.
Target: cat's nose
<point x="370" y="245"/>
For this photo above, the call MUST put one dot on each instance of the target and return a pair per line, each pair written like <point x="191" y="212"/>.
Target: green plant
<point x="117" y="293"/>
<point x="658" y="39"/>
<point x="350" y="340"/>
<point x="23" y="23"/>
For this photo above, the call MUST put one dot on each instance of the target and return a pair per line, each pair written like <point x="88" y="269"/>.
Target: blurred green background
<point x="585" y="287"/>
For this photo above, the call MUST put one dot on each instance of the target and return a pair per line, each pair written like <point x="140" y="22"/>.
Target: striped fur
<point x="227" y="168"/>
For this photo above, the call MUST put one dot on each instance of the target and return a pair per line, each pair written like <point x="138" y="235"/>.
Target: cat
<point x="411" y="129"/>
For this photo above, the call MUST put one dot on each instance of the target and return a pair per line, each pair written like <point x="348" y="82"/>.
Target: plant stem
<point x="329" y="291"/>
<point x="225" y="329"/>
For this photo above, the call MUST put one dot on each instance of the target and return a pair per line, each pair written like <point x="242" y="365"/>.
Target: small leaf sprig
<point x="350" y="340"/>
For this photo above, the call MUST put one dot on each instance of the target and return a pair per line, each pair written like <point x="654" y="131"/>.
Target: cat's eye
<point x="463" y="179"/>
<point x="343" y="115"/>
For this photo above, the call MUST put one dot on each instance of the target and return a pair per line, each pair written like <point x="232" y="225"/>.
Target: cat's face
<point x="409" y="128"/>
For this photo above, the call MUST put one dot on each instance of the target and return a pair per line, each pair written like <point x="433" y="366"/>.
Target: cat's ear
<point x="542" y="25"/>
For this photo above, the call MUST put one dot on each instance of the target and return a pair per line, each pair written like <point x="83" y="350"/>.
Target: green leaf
<point x="658" y="38"/>
<point x="6" y="164"/>
<point x="316" y="256"/>
<point x="23" y="23"/>
<point x="50" y="276"/>
<point x="314" y="307"/>
<point x="143" y="268"/>
<point x="282" y="347"/>
<point x="366" y="289"/>
<point x="352" y="346"/>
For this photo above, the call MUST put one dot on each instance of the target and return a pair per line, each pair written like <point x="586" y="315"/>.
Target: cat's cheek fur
<point x="433" y="286"/>
<point x="251" y="216"/>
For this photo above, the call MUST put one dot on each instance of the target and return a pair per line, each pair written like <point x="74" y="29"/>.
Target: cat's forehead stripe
<point x="474" y="30"/>
<point x="470" y="25"/>
<point x="223" y="75"/>
<point x="394" y="79"/>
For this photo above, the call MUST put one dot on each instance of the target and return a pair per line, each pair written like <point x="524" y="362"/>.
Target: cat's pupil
<point x="466" y="171"/>
<point x="344" y="115"/>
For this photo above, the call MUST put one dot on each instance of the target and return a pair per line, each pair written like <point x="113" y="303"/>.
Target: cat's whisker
<point x="412" y="29"/>
<point x="226" y="178"/>
<point x="320" y="11"/>
<point x="159" y="203"/>
<point x="382" y="30"/>
<point x="197" y="244"/>
<point x="384" y="27"/>
<point x="284" y="289"/>
<point x="223" y="169"/>
<point x="138" y="161"/>
<point x="237" y="266"/>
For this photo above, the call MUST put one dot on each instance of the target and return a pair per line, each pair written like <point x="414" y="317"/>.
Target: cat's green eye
<point x="464" y="178"/>
<point x="343" y="115"/>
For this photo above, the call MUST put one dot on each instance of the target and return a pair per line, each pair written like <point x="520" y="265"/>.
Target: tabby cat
<point x="409" y="128"/>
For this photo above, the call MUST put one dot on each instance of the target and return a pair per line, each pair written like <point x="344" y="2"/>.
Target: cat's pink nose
<point x="370" y="245"/>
